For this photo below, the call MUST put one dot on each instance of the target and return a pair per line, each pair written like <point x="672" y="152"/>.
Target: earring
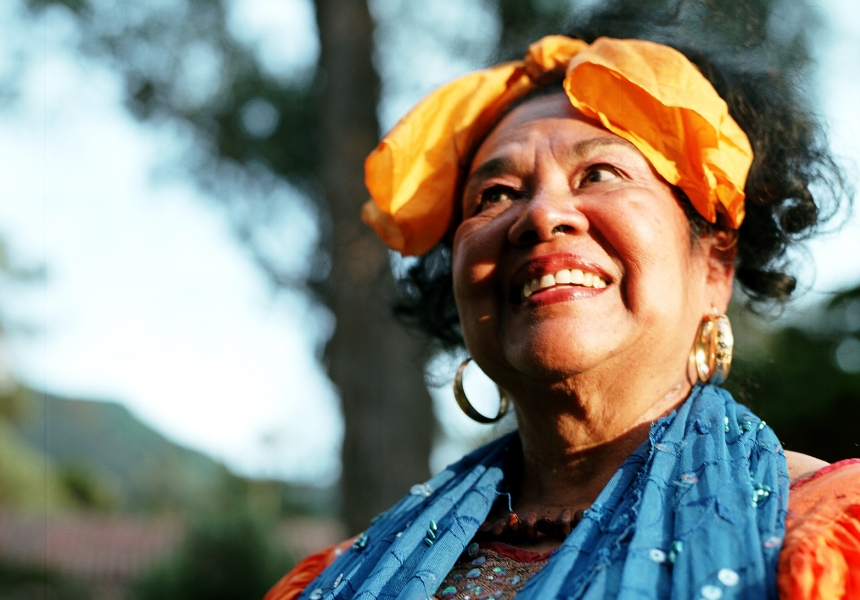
<point x="713" y="348"/>
<point x="466" y="406"/>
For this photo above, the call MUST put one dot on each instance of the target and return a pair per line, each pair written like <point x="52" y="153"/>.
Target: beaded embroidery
<point x="490" y="572"/>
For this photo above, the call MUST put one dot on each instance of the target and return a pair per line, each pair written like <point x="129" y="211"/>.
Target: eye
<point x="600" y="174"/>
<point x="495" y="194"/>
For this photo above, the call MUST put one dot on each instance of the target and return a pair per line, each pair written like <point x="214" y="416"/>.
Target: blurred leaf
<point x="87" y="488"/>
<point x="844" y="297"/>
<point x="77" y="6"/>
<point x="29" y="583"/>
<point x="226" y="557"/>
<point x="775" y="32"/>
<point x="795" y="383"/>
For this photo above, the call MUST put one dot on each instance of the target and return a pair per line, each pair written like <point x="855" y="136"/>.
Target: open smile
<point x="566" y="278"/>
<point x="556" y="273"/>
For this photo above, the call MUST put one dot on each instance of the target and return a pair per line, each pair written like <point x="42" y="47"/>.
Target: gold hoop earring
<point x="466" y="406"/>
<point x="713" y="348"/>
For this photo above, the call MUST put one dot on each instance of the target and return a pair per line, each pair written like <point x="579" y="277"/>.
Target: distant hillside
<point x="107" y="459"/>
<point x="29" y="481"/>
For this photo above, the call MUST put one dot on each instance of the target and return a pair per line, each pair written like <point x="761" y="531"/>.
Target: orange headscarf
<point x="647" y="93"/>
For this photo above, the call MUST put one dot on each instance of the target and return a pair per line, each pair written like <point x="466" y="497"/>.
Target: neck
<point x="574" y="439"/>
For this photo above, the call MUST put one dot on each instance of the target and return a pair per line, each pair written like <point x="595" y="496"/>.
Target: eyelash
<point x="483" y="196"/>
<point x="596" y="168"/>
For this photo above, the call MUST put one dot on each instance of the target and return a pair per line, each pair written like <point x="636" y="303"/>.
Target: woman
<point x="583" y="207"/>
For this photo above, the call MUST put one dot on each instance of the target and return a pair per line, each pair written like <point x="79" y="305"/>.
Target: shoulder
<point x="294" y="583"/>
<point x="820" y="555"/>
<point x="802" y="465"/>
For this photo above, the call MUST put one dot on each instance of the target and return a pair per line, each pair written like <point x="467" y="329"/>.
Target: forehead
<point x="537" y="118"/>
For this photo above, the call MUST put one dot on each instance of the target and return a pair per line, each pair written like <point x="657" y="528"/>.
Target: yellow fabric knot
<point x="646" y="93"/>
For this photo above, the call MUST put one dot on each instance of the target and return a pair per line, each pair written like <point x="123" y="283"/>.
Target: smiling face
<point x="574" y="256"/>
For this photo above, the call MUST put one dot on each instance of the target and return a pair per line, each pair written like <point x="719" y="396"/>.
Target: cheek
<point x="651" y="243"/>
<point x="477" y="288"/>
<point x="475" y="258"/>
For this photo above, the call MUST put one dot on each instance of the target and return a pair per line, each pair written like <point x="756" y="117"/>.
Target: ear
<point x="720" y="249"/>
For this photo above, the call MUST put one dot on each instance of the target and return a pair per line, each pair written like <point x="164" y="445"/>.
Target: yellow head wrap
<point x="647" y="93"/>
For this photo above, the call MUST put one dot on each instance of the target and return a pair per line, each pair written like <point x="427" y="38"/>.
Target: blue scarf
<point x="697" y="512"/>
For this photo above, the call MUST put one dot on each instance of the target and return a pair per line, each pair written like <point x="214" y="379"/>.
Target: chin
<point x="560" y="348"/>
<point x="554" y="360"/>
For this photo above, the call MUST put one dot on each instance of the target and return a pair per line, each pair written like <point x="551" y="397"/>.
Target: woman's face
<point x="574" y="255"/>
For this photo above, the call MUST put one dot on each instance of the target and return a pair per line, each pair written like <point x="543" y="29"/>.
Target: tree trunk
<point x="376" y="365"/>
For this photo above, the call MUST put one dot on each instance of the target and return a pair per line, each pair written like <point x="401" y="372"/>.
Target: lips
<point x="556" y="272"/>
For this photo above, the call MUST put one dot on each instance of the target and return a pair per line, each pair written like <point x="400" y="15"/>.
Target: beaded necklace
<point x="512" y="529"/>
<point x="504" y="525"/>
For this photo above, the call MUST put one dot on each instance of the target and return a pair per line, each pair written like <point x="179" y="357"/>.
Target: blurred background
<point x="200" y="380"/>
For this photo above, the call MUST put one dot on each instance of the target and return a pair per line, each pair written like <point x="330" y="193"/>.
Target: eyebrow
<point x="491" y="168"/>
<point x="502" y="164"/>
<point x="589" y="146"/>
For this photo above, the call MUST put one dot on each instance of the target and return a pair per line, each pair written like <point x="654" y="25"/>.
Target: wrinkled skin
<point x="588" y="368"/>
<point x="548" y="185"/>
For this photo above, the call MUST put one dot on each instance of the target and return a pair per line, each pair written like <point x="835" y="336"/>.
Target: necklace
<point x="504" y="525"/>
<point x="513" y="529"/>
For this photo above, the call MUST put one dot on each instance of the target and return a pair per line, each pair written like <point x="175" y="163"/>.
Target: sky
<point x="149" y="300"/>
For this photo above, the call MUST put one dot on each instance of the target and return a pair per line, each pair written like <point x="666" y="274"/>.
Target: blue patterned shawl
<point x="697" y="512"/>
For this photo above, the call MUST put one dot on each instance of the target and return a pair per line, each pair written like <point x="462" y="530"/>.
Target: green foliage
<point x="87" y="489"/>
<point x="152" y="48"/>
<point x="226" y="557"/>
<point x="793" y="381"/>
<point x="79" y="454"/>
<point x="77" y="6"/>
<point x="28" y="481"/>
<point x="137" y="467"/>
<point x="290" y="149"/>
<point x="28" y="583"/>
<point x="524" y="21"/>
<point x="160" y="50"/>
<point x="775" y="32"/>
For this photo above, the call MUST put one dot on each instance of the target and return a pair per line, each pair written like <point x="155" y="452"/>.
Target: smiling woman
<point x="576" y="198"/>
<point x="589" y="236"/>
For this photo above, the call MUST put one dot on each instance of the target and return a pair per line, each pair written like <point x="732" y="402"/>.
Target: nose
<point x="552" y="210"/>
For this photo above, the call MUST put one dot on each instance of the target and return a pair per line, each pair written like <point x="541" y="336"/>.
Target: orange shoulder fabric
<point x="820" y="557"/>
<point x="294" y="583"/>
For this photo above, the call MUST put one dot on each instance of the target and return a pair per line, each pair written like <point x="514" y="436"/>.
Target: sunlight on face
<point x="573" y="254"/>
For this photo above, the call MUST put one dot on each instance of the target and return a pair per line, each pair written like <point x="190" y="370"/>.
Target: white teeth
<point x="562" y="276"/>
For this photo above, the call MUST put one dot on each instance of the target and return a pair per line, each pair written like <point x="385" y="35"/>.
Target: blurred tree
<point x="27" y="583"/>
<point x="29" y="480"/>
<point x="374" y="362"/>
<point x="226" y="557"/>
<point x="255" y="131"/>
<point x="805" y="382"/>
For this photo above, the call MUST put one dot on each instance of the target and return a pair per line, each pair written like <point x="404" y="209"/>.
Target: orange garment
<point x="820" y="557"/>
<point x="646" y="93"/>
<point x="819" y="560"/>
<point x="294" y="583"/>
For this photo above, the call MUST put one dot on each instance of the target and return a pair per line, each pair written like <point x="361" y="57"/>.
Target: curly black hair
<point x="794" y="185"/>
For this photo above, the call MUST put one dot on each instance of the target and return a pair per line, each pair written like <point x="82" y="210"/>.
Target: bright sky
<point x="150" y="301"/>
